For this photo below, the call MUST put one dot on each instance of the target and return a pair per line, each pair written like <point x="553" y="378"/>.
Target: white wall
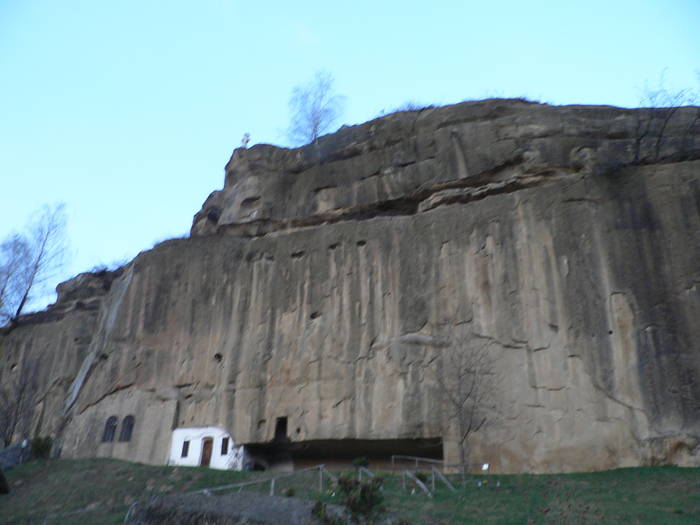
<point x="233" y="460"/>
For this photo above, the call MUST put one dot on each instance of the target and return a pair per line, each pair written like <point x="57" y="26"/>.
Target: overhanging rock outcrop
<point x="332" y="285"/>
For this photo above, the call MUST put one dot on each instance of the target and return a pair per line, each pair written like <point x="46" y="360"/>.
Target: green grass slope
<point x="654" y="495"/>
<point x="100" y="491"/>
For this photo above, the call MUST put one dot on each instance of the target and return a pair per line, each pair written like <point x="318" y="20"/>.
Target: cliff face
<point x="42" y="356"/>
<point x="335" y="284"/>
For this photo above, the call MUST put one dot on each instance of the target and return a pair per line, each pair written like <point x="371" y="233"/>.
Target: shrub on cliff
<point x="360" y="462"/>
<point x="41" y="447"/>
<point x="4" y="487"/>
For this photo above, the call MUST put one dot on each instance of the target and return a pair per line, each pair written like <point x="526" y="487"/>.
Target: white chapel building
<point x="206" y="447"/>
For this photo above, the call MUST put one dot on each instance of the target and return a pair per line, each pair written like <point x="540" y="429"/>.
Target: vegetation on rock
<point x="41" y="447"/>
<point x="314" y="108"/>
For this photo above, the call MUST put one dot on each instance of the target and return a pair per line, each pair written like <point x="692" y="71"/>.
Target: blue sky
<point x="128" y="110"/>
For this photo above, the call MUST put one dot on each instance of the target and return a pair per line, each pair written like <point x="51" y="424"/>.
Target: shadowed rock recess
<point x="328" y="285"/>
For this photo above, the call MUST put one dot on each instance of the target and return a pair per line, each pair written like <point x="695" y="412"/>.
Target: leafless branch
<point x="14" y="253"/>
<point x="658" y="107"/>
<point x="467" y="381"/>
<point x="314" y="109"/>
<point x="28" y="261"/>
<point x="17" y="401"/>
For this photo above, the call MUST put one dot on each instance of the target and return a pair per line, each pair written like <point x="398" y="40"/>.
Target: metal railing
<point x="271" y="480"/>
<point x="415" y="459"/>
<point x="420" y="463"/>
<point x="439" y="475"/>
<point x="412" y="477"/>
<point x="364" y="470"/>
<point x="238" y="487"/>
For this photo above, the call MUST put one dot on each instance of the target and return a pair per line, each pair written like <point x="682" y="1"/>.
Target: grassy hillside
<point x="658" y="495"/>
<point x="103" y="489"/>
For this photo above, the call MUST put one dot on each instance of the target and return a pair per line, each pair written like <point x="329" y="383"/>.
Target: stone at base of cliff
<point x="244" y="508"/>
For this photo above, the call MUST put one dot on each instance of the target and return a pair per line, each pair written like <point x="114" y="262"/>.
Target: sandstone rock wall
<point x="332" y="284"/>
<point x="41" y="356"/>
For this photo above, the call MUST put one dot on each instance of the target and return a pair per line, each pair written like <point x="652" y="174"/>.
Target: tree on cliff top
<point x="28" y="261"/>
<point x="658" y="106"/>
<point x="314" y="109"/>
<point x="14" y="252"/>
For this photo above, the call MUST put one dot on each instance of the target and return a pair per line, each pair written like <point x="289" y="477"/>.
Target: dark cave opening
<point x="284" y="454"/>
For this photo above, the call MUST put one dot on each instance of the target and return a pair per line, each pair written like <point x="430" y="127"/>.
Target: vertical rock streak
<point x="334" y="284"/>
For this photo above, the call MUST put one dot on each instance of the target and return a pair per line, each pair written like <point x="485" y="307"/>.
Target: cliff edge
<point x="333" y="287"/>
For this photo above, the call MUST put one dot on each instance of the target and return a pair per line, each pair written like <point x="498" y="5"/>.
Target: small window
<point x="110" y="429"/>
<point x="127" y="428"/>
<point x="185" y="449"/>
<point x="224" y="446"/>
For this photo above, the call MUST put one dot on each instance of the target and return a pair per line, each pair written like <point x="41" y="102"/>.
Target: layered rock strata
<point x="336" y="285"/>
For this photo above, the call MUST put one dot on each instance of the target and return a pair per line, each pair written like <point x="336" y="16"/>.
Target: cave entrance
<point x="281" y="429"/>
<point x="338" y="453"/>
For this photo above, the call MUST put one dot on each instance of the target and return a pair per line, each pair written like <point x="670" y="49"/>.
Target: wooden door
<point x="207" y="446"/>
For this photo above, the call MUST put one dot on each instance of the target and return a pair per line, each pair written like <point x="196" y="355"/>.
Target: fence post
<point x="272" y="487"/>
<point x="320" y="479"/>
<point x="418" y="482"/>
<point x="433" y="479"/>
<point x="441" y="476"/>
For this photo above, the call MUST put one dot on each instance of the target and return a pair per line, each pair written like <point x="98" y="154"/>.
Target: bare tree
<point x="314" y="109"/>
<point x="658" y="106"/>
<point x="28" y="261"/>
<point x="467" y="381"/>
<point x="14" y="252"/>
<point x="17" y="401"/>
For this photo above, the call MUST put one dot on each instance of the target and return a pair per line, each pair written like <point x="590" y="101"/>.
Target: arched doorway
<point x="207" y="445"/>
